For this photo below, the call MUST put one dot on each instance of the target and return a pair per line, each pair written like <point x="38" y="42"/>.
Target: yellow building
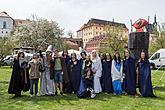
<point x="97" y="27"/>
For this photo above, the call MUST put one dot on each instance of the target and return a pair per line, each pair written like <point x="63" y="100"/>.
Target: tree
<point x="70" y="34"/>
<point x="159" y="41"/>
<point x="38" y="34"/>
<point x="6" y="47"/>
<point x="115" y="39"/>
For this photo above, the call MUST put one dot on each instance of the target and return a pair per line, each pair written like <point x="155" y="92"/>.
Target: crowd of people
<point x="85" y="77"/>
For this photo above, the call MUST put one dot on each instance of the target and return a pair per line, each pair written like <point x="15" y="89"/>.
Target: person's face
<point x="73" y="56"/>
<point x="142" y="55"/>
<point x="107" y="56"/>
<point x="56" y="53"/>
<point x="65" y="53"/>
<point x="117" y="55"/>
<point x="21" y="55"/>
<point x="94" y="54"/>
<point x="83" y="56"/>
<point x="126" y="53"/>
<point x="101" y="56"/>
<point x="35" y="57"/>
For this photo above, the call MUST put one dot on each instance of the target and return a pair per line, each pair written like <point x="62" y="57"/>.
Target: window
<point x="96" y="27"/>
<point x="4" y="24"/>
<point x="2" y="32"/>
<point x="96" y="32"/>
<point x="6" y="32"/>
<point x="100" y="28"/>
<point x="156" y="56"/>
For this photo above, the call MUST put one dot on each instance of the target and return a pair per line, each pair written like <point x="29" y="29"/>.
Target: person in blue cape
<point x="117" y="74"/>
<point x="144" y="76"/>
<point x="106" y="76"/>
<point x="130" y="74"/>
<point x="74" y="71"/>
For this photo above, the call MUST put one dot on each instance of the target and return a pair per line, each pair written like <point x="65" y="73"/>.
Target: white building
<point x="6" y="24"/>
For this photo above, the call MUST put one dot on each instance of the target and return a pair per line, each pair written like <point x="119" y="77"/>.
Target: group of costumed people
<point x="85" y="77"/>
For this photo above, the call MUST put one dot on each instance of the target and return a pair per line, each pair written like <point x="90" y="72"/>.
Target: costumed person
<point x="46" y="84"/>
<point x="117" y="74"/>
<point x="106" y="75"/>
<point x="74" y="72"/>
<point x="66" y="87"/>
<point x="130" y="74"/>
<point x="34" y="74"/>
<point x="144" y="76"/>
<point x="59" y="72"/>
<point x="97" y="68"/>
<point x="20" y="76"/>
<point x="102" y="57"/>
<point x="86" y="84"/>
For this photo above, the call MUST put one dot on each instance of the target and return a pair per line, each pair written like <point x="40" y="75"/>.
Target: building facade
<point x="6" y="24"/>
<point x="97" y="27"/>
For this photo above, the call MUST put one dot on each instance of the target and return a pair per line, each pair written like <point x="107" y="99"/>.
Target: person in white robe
<point x="46" y="84"/>
<point x="97" y="68"/>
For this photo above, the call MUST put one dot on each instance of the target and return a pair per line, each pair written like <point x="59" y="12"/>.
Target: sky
<point x="72" y="14"/>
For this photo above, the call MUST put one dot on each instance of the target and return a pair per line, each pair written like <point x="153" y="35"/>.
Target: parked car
<point x="157" y="60"/>
<point x="8" y="60"/>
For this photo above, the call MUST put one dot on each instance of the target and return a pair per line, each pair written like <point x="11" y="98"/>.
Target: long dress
<point x="106" y="75"/>
<point x="144" y="78"/>
<point x="97" y="66"/>
<point x="19" y="79"/>
<point x="74" y="71"/>
<point x="117" y="76"/>
<point x="130" y="76"/>
<point x="46" y="84"/>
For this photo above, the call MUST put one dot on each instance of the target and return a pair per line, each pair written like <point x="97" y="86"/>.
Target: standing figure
<point x="97" y="68"/>
<point x="74" y="71"/>
<point x="66" y="86"/>
<point x="130" y="74"/>
<point x="107" y="79"/>
<point x="117" y="74"/>
<point x="59" y="71"/>
<point x="46" y="84"/>
<point x="144" y="76"/>
<point x="34" y="74"/>
<point x="20" y="76"/>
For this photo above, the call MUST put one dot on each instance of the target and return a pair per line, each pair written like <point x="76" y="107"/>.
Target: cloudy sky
<point x="72" y="14"/>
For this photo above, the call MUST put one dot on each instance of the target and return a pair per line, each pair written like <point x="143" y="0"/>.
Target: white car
<point x="157" y="60"/>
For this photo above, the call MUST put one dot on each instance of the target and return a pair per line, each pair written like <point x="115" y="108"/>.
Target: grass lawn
<point x="71" y="102"/>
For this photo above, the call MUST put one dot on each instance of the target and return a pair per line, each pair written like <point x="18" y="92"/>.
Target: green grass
<point x="71" y="102"/>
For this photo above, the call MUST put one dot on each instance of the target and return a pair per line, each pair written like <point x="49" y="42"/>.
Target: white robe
<point x="117" y="75"/>
<point x="97" y="66"/>
<point x="46" y="84"/>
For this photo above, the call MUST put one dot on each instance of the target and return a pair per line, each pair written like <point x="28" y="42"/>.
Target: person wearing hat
<point x="34" y="74"/>
<point x="20" y="76"/>
<point x="97" y="69"/>
<point x="58" y="71"/>
<point x="46" y="84"/>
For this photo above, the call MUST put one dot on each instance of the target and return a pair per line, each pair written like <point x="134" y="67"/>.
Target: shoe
<point x="31" y="95"/>
<point x="56" y="93"/>
<point x="61" y="93"/>
<point x="93" y="95"/>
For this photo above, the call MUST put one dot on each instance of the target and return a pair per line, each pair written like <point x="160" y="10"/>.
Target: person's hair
<point x="128" y="52"/>
<point x="40" y="54"/>
<point x="83" y="53"/>
<point x="64" y="52"/>
<point x="19" y="54"/>
<point x="115" y="58"/>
